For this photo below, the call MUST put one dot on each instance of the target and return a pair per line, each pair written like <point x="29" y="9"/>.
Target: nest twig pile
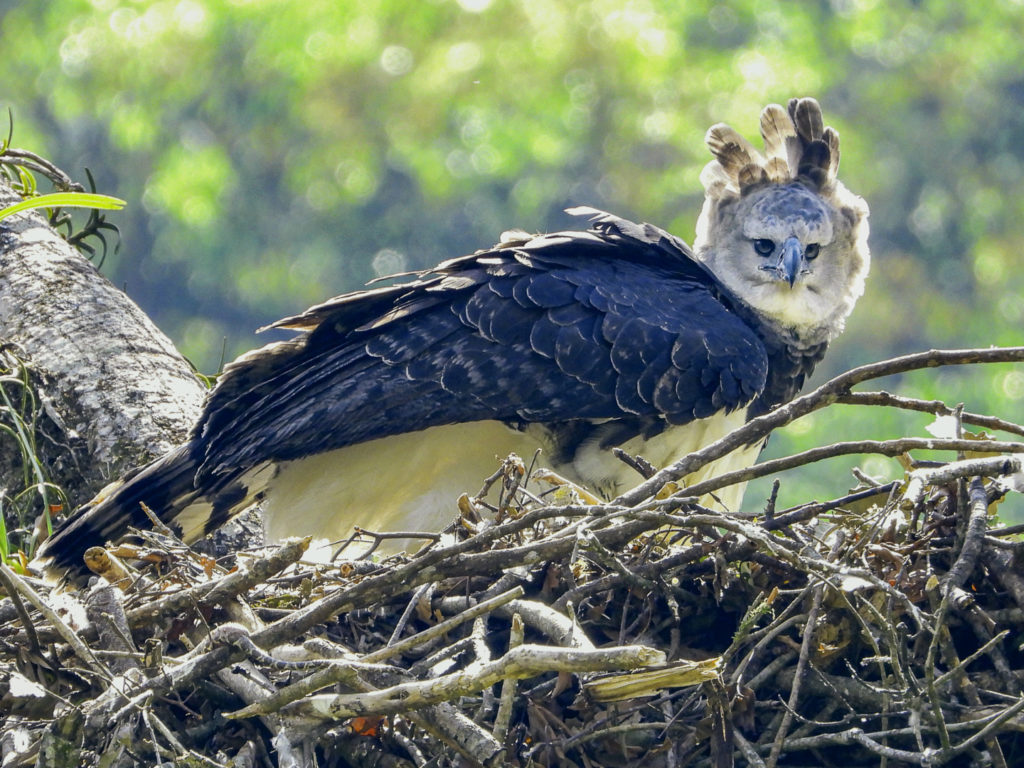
<point x="880" y="628"/>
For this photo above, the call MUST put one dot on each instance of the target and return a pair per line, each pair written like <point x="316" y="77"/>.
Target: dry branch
<point x="825" y="395"/>
<point x="521" y="662"/>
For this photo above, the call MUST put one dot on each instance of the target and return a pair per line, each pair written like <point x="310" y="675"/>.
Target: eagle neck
<point x="788" y="369"/>
<point x="792" y="355"/>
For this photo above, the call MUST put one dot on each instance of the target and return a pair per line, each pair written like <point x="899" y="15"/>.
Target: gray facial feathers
<point x="755" y="204"/>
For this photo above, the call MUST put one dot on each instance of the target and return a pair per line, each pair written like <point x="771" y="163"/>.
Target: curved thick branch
<point x="520" y="662"/>
<point x="828" y="393"/>
<point x="855" y="447"/>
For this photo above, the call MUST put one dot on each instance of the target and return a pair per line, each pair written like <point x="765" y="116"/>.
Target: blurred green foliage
<point x="276" y="153"/>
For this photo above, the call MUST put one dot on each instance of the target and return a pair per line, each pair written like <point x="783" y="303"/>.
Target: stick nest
<point x="879" y="628"/>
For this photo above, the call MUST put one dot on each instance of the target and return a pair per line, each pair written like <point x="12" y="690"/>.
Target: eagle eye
<point x="811" y="251"/>
<point x="764" y="247"/>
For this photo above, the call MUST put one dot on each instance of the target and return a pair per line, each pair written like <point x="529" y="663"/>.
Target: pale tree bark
<point x="114" y="390"/>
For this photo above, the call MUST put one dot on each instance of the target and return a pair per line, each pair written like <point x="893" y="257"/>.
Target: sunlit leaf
<point x="64" y="200"/>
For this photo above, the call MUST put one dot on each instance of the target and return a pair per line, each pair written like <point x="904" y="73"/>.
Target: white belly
<point x="411" y="482"/>
<point x="599" y="469"/>
<point x="408" y="482"/>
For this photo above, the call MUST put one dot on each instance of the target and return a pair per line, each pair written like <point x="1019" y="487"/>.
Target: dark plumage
<point x="575" y="342"/>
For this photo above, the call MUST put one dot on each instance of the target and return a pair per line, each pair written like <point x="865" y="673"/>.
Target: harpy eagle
<point x="393" y="401"/>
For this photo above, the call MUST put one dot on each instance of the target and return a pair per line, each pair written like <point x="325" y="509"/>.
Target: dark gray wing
<point x="615" y="322"/>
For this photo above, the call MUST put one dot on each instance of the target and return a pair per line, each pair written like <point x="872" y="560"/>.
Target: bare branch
<point x="518" y="663"/>
<point x="828" y="393"/>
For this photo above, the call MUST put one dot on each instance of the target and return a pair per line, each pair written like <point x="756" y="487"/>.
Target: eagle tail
<point x="166" y="486"/>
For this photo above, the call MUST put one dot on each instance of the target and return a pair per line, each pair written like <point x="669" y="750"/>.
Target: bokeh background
<point x="276" y="153"/>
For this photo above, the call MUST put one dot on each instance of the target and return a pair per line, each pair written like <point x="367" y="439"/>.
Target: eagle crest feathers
<point x="797" y="148"/>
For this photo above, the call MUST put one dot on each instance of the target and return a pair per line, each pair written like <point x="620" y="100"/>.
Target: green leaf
<point x="64" y="200"/>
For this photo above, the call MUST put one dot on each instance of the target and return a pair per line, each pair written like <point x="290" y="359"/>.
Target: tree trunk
<point x="112" y="391"/>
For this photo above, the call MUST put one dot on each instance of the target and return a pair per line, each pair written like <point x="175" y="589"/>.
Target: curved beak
<point x="791" y="261"/>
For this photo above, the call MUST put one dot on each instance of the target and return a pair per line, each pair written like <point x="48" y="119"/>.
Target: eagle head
<point x="779" y="230"/>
